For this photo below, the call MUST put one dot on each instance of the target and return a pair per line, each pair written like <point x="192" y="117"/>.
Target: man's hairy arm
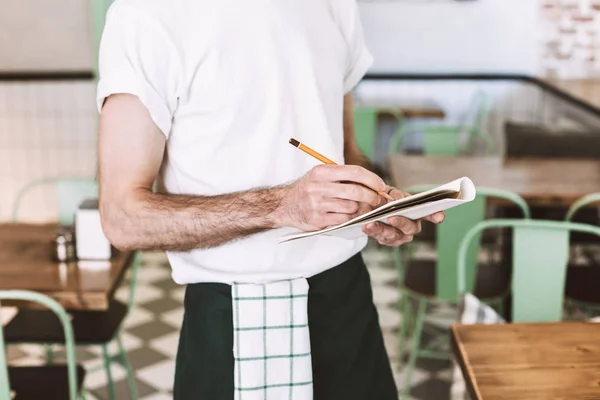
<point x="131" y="149"/>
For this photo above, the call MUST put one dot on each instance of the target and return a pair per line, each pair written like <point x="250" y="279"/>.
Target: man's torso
<point x="252" y="75"/>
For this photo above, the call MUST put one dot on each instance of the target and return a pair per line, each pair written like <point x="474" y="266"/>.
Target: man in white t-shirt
<point x="202" y="97"/>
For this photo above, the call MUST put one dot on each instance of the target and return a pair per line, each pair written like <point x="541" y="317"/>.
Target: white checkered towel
<point x="271" y="341"/>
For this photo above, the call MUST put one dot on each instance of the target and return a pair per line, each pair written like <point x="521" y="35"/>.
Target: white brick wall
<point x="570" y="45"/>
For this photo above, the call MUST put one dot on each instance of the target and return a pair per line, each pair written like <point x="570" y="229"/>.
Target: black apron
<point x="349" y="359"/>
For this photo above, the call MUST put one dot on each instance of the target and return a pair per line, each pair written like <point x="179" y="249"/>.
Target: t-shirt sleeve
<point x="359" y="58"/>
<point x="137" y="57"/>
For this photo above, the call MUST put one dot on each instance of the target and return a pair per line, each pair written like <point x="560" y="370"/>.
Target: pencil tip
<point x="294" y="142"/>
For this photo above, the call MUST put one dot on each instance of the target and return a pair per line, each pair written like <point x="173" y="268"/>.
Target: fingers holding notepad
<point x="397" y="194"/>
<point x="359" y="172"/>
<point x="419" y="206"/>
<point x="341" y="193"/>
<point x="398" y="230"/>
<point x="329" y="195"/>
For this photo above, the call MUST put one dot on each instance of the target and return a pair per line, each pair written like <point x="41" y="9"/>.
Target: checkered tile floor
<point x="151" y="334"/>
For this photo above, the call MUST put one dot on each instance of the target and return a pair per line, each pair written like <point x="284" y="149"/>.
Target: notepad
<point x="413" y="207"/>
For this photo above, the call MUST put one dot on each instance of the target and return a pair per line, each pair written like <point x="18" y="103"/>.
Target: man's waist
<point x="237" y="263"/>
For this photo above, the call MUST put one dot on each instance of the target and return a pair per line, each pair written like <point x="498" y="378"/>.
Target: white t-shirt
<point x="229" y="82"/>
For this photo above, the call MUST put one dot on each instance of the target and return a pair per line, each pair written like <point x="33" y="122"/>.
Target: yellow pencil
<point x="324" y="159"/>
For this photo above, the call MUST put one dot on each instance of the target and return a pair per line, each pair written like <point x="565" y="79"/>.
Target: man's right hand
<point x="329" y="195"/>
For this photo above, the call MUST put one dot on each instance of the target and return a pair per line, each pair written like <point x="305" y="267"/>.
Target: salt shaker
<point x="63" y="246"/>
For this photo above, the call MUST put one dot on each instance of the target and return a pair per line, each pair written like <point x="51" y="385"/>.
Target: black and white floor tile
<point x="152" y="329"/>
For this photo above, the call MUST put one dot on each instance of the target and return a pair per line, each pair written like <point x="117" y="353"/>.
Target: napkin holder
<point x="90" y="241"/>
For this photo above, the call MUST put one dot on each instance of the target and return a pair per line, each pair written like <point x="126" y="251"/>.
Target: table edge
<point x="461" y="357"/>
<point x="76" y="298"/>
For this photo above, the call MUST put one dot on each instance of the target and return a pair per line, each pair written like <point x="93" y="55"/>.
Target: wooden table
<point x="420" y="108"/>
<point x="409" y="108"/>
<point x="539" y="181"/>
<point x="25" y="263"/>
<point x="529" y="361"/>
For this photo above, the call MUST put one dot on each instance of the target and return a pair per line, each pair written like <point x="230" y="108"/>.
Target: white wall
<point x="404" y="35"/>
<point x="47" y="129"/>
<point x="45" y="35"/>
<point x="451" y="36"/>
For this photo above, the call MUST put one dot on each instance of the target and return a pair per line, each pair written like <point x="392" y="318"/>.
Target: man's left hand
<point x="398" y="230"/>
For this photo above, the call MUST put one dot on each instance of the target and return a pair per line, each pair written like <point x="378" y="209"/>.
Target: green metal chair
<point x="91" y="328"/>
<point x="70" y="192"/>
<point x="539" y="260"/>
<point x="424" y="281"/>
<point x="365" y="127"/>
<point x="582" y="289"/>
<point x="59" y="382"/>
<point x="585" y="201"/>
<point x="451" y="140"/>
<point x="438" y="141"/>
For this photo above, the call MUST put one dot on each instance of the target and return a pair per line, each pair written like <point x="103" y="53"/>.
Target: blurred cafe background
<point x="506" y="92"/>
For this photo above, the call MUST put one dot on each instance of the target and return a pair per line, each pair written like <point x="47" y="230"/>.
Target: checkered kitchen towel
<point x="271" y="341"/>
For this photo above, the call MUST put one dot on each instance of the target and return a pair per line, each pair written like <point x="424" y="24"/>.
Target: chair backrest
<point x="593" y="198"/>
<point x="478" y="110"/>
<point x="452" y="140"/>
<point x="441" y="141"/>
<point x="540" y="256"/>
<point x="473" y="121"/>
<point x="61" y="314"/>
<point x="438" y="140"/>
<point x="70" y="193"/>
<point x="450" y="233"/>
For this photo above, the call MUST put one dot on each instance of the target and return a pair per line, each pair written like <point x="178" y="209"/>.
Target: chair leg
<point x="49" y="354"/>
<point x="111" y="383"/>
<point x="569" y="309"/>
<point x="399" y="264"/>
<point x="414" y="351"/>
<point x="589" y="314"/>
<point x="501" y="308"/>
<point x="405" y="326"/>
<point x="133" y="393"/>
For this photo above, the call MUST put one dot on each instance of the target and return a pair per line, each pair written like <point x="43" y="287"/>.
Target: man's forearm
<point x="150" y="221"/>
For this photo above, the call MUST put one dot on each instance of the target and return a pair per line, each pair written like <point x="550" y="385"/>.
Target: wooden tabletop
<point x="26" y="263"/>
<point x="539" y="181"/>
<point x="420" y="107"/>
<point x="410" y="108"/>
<point x="422" y="111"/>
<point x="529" y="361"/>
